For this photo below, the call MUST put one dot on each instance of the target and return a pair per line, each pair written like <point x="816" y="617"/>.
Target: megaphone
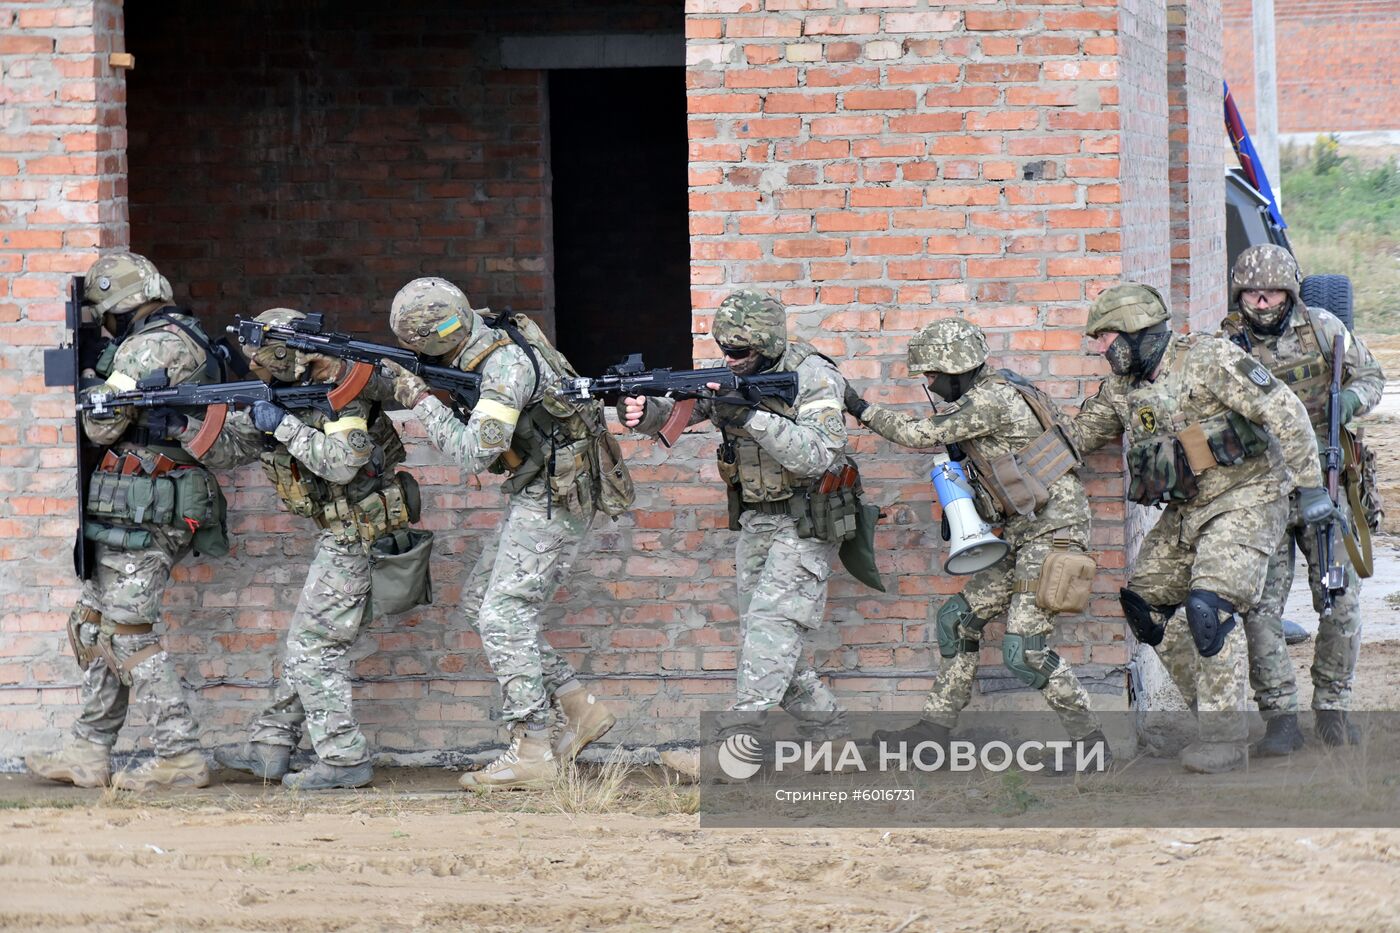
<point x="971" y="544"/>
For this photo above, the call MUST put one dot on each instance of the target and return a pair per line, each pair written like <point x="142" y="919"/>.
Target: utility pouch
<point x="385" y="511"/>
<point x="400" y="571"/>
<point x="1160" y="472"/>
<point x="1234" y="438"/>
<point x="197" y="497"/>
<point x="1066" y="581"/>
<point x="1199" y="454"/>
<point x="211" y="537"/>
<point x="616" y="491"/>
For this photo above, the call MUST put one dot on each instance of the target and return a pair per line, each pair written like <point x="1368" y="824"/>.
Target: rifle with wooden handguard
<point x="632" y="378"/>
<point x="1334" y="578"/>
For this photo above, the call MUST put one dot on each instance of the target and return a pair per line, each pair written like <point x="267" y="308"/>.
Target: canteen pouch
<point x="400" y="571"/>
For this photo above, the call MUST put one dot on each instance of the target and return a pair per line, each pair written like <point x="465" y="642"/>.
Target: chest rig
<point x="374" y="503"/>
<point x="1019" y="482"/>
<point x="762" y="482"/>
<point x="212" y="370"/>
<point x="1307" y="371"/>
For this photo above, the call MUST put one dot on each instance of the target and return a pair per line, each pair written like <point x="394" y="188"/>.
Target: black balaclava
<point x="1138" y="353"/>
<point x="952" y="386"/>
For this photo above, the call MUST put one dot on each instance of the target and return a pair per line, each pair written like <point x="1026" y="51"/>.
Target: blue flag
<point x="1249" y="159"/>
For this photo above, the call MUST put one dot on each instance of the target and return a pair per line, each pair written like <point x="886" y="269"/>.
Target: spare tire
<point x="1332" y="292"/>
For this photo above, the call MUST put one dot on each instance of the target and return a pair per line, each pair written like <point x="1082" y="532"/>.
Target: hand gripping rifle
<point x="155" y="391"/>
<point x="309" y="336"/>
<point x="631" y="377"/>
<point x="1333" y="574"/>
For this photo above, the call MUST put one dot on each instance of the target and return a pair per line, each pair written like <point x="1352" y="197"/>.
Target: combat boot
<point x="269" y="762"/>
<point x="80" y="763"/>
<point x="1334" y="729"/>
<point x="685" y="762"/>
<point x="528" y="762"/>
<point x="586" y="719"/>
<point x="1281" y="737"/>
<point x="187" y="770"/>
<point x="1214" y="757"/>
<point x="919" y="732"/>
<point x="325" y="776"/>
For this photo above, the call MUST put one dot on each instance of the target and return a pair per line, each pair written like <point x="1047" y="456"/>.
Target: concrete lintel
<point x="616" y="50"/>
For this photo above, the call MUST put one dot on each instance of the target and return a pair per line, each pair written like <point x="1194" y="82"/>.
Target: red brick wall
<point x="876" y="165"/>
<point x="1337" y="68"/>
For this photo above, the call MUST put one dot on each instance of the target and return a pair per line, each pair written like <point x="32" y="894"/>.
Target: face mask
<point x="1270" y="321"/>
<point x="952" y="386"/>
<point x="1138" y="354"/>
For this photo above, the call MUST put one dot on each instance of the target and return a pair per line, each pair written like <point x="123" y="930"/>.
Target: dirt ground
<point x="415" y="853"/>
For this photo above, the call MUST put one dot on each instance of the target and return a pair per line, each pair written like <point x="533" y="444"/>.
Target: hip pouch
<point x="616" y="492"/>
<point x="1160" y="472"/>
<point x="1066" y="581"/>
<point x="400" y="577"/>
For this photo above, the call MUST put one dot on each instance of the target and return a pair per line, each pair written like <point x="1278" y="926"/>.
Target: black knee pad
<point x="1211" y="618"/>
<point x="1141" y="619"/>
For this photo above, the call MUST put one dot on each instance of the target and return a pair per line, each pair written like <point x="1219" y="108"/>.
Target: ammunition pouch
<point x="1159" y="472"/>
<point x="1021" y="481"/>
<point x="572" y="473"/>
<point x="833" y="514"/>
<point x="1065" y="583"/>
<point x="400" y="571"/>
<point x="184" y="498"/>
<point x="388" y="509"/>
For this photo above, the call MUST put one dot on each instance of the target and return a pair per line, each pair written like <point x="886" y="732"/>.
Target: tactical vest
<point x="1163" y="467"/>
<point x="374" y="503"/>
<point x="1019" y="482"/>
<point x="1309" y="375"/>
<point x="567" y="442"/>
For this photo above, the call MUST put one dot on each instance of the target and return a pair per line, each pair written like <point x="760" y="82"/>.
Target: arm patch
<point x="1255" y="372"/>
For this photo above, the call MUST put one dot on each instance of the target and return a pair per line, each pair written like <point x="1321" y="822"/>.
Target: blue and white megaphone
<point x="971" y="544"/>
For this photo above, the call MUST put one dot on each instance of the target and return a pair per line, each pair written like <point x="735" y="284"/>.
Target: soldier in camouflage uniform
<point x="995" y="418"/>
<point x="1269" y="320"/>
<point x="112" y="626"/>
<point x="1192" y="406"/>
<point x="769" y="456"/>
<point x="550" y="451"/>
<point x="336" y="470"/>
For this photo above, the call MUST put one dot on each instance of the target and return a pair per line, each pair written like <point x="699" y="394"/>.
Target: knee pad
<point x="953" y="613"/>
<point x="1013" y="655"/>
<point x="1141" y="618"/>
<point x="1211" y="617"/>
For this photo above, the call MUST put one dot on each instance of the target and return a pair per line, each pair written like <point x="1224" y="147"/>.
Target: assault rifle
<point x="631" y="377"/>
<point x="155" y="391"/>
<point x="309" y="336"/>
<point x="1333" y="574"/>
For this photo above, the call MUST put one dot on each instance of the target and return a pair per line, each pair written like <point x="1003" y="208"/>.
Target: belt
<point x="781" y="507"/>
<point x="143" y="629"/>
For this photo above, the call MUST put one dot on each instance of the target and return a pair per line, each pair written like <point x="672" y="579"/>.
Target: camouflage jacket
<point x="1302" y="357"/>
<point x="151" y="345"/>
<point x="995" y="417"/>
<point x="802" y="442"/>
<point x="1201" y="377"/>
<point x="508" y="386"/>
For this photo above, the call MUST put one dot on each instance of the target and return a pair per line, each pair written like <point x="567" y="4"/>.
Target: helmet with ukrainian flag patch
<point x="431" y="316"/>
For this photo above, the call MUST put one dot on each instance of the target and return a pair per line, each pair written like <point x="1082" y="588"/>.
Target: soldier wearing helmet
<point x="338" y="471"/>
<point x="991" y="419"/>
<point x="112" y="626"/>
<point x="549" y="451"/>
<point x="770" y="455"/>
<point x="1196" y="415"/>
<point x="1268" y="320"/>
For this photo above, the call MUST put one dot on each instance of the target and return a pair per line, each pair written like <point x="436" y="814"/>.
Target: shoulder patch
<point x="1256" y="373"/>
<point x="359" y="440"/>
<point x="493" y="433"/>
<point x="832" y="422"/>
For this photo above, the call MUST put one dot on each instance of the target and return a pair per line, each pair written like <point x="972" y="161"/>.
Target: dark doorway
<point x="621" y="228"/>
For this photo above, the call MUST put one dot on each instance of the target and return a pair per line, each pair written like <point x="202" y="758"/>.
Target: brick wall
<point x="878" y="166"/>
<point x="1337" y="68"/>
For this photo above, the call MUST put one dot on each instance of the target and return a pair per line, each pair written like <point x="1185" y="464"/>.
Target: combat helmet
<point x="1263" y="268"/>
<point x="431" y="316"/>
<point x="1126" y="309"/>
<point x="119" y="283"/>
<point x="754" y="319"/>
<point x="280" y="360"/>
<point x="950" y="345"/>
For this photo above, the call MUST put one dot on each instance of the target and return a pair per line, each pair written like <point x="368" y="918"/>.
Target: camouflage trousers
<point x="313" y="694"/>
<point x="991" y="592"/>
<point x="1228" y="555"/>
<point x="504" y="600"/>
<point x="1338" y="635"/>
<point x="782" y="595"/>
<point x="126" y="587"/>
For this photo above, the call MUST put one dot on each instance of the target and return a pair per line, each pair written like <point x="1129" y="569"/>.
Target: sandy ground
<point x="415" y="853"/>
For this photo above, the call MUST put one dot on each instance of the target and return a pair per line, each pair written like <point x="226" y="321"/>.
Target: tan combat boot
<point x="586" y="719"/>
<point x="80" y="763"/>
<point x="529" y="762"/>
<point x="187" y="770"/>
<point x="1214" y="757"/>
<point x="684" y="762"/>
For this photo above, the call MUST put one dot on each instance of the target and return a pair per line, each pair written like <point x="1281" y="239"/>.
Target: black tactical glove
<point x="267" y="416"/>
<point x="165" y="422"/>
<point x="736" y="408"/>
<point x="1314" y="505"/>
<point x="854" y="403"/>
